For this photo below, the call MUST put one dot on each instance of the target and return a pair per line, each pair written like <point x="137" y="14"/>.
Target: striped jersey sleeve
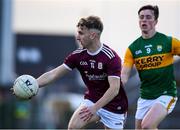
<point x="108" y="52"/>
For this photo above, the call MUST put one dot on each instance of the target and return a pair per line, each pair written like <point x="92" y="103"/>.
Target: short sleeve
<point x="70" y="61"/>
<point x="175" y="46"/>
<point x="128" y="59"/>
<point x="114" y="67"/>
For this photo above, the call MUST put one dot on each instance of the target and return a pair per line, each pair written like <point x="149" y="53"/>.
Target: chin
<point x="144" y="30"/>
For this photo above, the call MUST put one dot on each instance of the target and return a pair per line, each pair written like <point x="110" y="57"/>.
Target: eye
<point x="148" y="17"/>
<point x="141" y="16"/>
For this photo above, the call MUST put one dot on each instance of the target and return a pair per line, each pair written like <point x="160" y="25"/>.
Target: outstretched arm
<point x="52" y="75"/>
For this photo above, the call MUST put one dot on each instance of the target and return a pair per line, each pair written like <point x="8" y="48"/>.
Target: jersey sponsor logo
<point x="119" y="108"/>
<point x="148" y="46"/>
<point x="138" y="52"/>
<point x="96" y="77"/>
<point x="83" y="63"/>
<point x="165" y="92"/>
<point x="119" y="123"/>
<point x="154" y="61"/>
<point x="159" y="48"/>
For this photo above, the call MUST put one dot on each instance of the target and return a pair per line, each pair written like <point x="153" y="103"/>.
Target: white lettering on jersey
<point x="138" y="52"/>
<point x="83" y="63"/>
<point x="100" y="65"/>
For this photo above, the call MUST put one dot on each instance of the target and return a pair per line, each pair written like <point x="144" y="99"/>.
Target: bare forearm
<point x="124" y="78"/>
<point x="125" y="74"/>
<point x="111" y="93"/>
<point x="52" y="75"/>
<point x="45" y="79"/>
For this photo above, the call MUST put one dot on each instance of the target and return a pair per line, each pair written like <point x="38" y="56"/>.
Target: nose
<point x="143" y="19"/>
<point x="77" y="37"/>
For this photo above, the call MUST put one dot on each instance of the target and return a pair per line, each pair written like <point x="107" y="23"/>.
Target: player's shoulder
<point x="163" y="36"/>
<point x="109" y="52"/>
<point x="78" y="51"/>
<point x="136" y="41"/>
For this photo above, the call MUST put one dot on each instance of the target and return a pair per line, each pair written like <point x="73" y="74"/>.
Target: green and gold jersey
<point x="153" y="59"/>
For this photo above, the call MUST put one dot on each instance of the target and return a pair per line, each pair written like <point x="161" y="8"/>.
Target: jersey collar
<point x="96" y="52"/>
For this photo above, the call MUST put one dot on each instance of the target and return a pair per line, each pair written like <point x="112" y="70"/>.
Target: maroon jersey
<point x="95" y="69"/>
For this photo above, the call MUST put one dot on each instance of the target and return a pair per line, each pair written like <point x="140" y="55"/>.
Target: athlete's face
<point x="147" y="21"/>
<point x="84" y="36"/>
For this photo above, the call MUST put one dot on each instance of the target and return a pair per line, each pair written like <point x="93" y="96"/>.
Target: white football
<point x="25" y="87"/>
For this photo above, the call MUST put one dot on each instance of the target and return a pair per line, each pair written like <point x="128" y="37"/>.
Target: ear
<point x="156" y="22"/>
<point x="92" y="35"/>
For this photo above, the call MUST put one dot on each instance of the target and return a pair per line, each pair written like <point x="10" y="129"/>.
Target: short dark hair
<point x="91" y="22"/>
<point x="155" y="9"/>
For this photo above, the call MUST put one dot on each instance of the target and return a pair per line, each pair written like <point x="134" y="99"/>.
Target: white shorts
<point x="144" y="105"/>
<point x="109" y="119"/>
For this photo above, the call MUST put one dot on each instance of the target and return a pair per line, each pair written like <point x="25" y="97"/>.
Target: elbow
<point x="124" y="80"/>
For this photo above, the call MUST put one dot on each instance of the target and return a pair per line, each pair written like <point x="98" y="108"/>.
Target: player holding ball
<point x="100" y="67"/>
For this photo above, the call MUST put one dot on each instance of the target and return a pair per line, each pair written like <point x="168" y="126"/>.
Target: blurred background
<point x="36" y="35"/>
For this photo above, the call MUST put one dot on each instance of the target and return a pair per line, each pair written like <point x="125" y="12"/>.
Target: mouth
<point x="144" y="25"/>
<point x="78" y="40"/>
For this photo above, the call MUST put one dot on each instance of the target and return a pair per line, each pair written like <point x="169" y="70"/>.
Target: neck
<point x="94" y="47"/>
<point x="148" y="34"/>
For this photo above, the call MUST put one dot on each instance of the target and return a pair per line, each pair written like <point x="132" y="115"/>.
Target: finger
<point x="84" y="116"/>
<point x="83" y="111"/>
<point x="12" y="89"/>
<point x="87" y="117"/>
<point x="90" y="116"/>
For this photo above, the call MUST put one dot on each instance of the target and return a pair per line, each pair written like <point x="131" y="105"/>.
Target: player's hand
<point x="86" y="113"/>
<point x="12" y="90"/>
